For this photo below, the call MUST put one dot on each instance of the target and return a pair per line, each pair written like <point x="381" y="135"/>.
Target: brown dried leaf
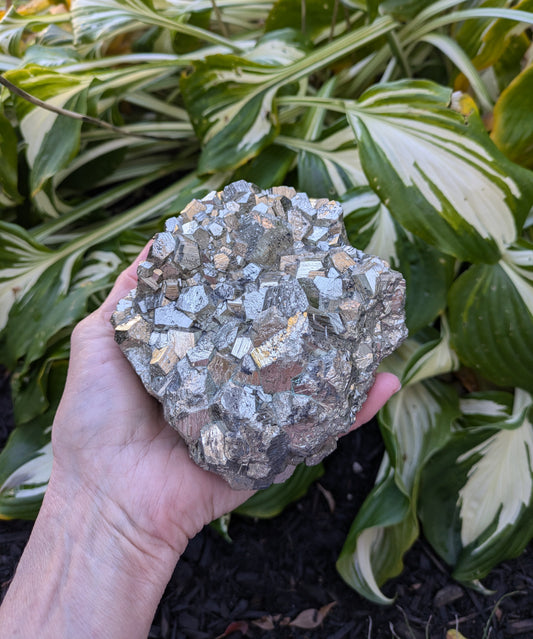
<point x="265" y="623"/>
<point x="312" y="618"/>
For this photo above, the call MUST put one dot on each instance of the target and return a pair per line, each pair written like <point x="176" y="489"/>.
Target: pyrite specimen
<point x="259" y="328"/>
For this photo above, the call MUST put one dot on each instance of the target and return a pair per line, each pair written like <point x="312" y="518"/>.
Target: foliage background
<point x="416" y="115"/>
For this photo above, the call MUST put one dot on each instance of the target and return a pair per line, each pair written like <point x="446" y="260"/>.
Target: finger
<point x="385" y="386"/>
<point x="124" y="283"/>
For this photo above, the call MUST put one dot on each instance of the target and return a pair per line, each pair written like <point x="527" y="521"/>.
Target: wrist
<point x="85" y="573"/>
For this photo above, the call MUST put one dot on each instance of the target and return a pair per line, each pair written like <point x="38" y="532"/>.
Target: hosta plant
<point x="416" y="115"/>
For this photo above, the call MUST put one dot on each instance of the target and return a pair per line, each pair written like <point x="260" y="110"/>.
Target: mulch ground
<point x="277" y="578"/>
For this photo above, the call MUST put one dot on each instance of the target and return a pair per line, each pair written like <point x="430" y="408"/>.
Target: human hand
<point x="111" y="440"/>
<point x="123" y="500"/>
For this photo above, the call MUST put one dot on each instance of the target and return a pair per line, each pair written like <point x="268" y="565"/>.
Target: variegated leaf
<point x="231" y="99"/>
<point x="432" y="358"/>
<point x="100" y="20"/>
<point x="51" y="139"/>
<point x="9" y="194"/>
<point x="415" y="423"/>
<point x="476" y="499"/>
<point x="407" y="133"/>
<point x="25" y="465"/>
<point x="427" y="271"/>
<point x="384" y="529"/>
<point x="22" y="262"/>
<point x="329" y="167"/>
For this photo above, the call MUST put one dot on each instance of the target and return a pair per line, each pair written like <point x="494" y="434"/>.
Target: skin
<point x="123" y="499"/>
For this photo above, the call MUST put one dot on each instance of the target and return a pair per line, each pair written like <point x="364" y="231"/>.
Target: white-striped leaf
<point x="491" y="319"/>
<point x="100" y="20"/>
<point x="22" y="262"/>
<point x="384" y="529"/>
<point x="231" y="99"/>
<point x="25" y="466"/>
<point x="329" y="167"/>
<point x="476" y="499"/>
<point x="440" y="176"/>
<point x="433" y="358"/>
<point x="415" y="423"/>
<point x="13" y="26"/>
<point x="51" y="139"/>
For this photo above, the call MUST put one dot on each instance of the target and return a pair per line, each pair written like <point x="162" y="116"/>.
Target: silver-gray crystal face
<point x="259" y="328"/>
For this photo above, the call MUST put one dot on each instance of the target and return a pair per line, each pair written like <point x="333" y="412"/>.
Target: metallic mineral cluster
<point x="259" y="328"/>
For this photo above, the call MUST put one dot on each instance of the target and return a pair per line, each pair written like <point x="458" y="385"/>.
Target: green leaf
<point x="491" y="322"/>
<point x="9" y="194"/>
<point x="40" y="314"/>
<point x="25" y="466"/>
<point x="433" y="358"/>
<point x="498" y="37"/>
<point x="40" y="388"/>
<point x="441" y="178"/>
<point x="329" y="167"/>
<point x="22" y="262"/>
<point x="231" y="98"/>
<point x="382" y="532"/>
<point x="52" y="140"/>
<point x="476" y="497"/>
<point x="267" y="169"/>
<point x="100" y="20"/>
<point x="404" y="9"/>
<point x="415" y="423"/>
<point x="271" y="501"/>
<point x="513" y="120"/>
<point x="428" y="274"/>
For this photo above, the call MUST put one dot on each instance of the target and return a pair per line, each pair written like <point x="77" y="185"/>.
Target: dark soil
<point x="274" y="570"/>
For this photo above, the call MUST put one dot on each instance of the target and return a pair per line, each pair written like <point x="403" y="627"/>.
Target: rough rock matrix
<point x="259" y="328"/>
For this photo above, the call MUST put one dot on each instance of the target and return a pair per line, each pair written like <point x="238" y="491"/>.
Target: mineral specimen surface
<point x="259" y="328"/>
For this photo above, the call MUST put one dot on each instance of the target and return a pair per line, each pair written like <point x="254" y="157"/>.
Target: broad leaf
<point x="40" y="314"/>
<point x="433" y="358"/>
<point x="271" y="501"/>
<point x="383" y="530"/>
<point x="22" y="262"/>
<point x="407" y="133"/>
<point x="513" y="120"/>
<point x="476" y="499"/>
<point x="25" y="466"/>
<point x="415" y="423"/>
<point x="329" y="167"/>
<point x="491" y="320"/>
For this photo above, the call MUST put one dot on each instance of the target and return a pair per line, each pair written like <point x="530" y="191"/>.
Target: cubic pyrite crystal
<point x="259" y="328"/>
